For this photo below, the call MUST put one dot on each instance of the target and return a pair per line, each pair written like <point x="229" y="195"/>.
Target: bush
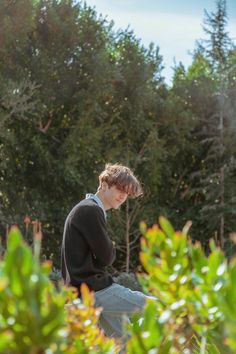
<point x="34" y="317"/>
<point x="195" y="311"/>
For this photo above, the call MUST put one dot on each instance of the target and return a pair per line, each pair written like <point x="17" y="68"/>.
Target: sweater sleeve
<point x="92" y="224"/>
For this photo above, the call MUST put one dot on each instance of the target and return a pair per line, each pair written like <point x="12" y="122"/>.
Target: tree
<point x="219" y="128"/>
<point x="208" y="87"/>
<point x="75" y="89"/>
<point x="131" y="134"/>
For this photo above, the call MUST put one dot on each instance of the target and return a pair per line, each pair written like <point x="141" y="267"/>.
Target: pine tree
<point x="214" y="89"/>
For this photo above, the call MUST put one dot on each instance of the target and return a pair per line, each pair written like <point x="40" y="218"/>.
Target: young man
<point x="87" y="248"/>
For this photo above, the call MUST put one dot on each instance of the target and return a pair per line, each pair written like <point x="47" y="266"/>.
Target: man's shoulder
<point x="86" y="206"/>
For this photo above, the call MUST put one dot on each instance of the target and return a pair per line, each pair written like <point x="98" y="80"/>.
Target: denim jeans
<point x="118" y="304"/>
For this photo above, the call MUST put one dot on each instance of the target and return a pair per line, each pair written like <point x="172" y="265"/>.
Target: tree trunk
<point x="222" y="204"/>
<point x="127" y="229"/>
<point x="222" y="177"/>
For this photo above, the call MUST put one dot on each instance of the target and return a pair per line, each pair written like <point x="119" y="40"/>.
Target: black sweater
<point x="86" y="247"/>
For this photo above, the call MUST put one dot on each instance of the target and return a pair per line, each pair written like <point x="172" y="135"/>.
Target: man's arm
<point x="92" y="224"/>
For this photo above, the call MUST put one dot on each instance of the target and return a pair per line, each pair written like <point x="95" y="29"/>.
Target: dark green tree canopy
<point x="75" y="94"/>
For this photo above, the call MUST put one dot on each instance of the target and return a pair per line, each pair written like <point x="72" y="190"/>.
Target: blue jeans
<point x="118" y="303"/>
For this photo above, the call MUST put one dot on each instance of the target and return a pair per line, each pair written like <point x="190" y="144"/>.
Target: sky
<point x="172" y="25"/>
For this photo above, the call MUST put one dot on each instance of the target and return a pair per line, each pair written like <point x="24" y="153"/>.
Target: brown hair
<point x="123" y="178"/>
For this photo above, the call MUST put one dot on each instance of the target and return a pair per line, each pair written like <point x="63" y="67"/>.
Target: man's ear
<point x="104" y="186"/>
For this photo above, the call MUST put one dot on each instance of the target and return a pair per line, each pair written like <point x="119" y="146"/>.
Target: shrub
<point x="34" y="317"/>
<point x="195" y="311"/>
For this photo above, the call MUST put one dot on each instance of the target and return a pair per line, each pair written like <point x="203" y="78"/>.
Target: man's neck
<point x="99" y="194"/>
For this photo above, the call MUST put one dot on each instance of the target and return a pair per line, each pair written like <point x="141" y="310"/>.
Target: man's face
<point x="113" y="197"/>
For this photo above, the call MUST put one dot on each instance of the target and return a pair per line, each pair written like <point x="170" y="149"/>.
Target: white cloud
<point x="175" y="34"/>
<point x="174" y="41"/>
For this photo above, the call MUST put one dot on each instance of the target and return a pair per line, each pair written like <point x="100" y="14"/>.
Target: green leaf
<point x="14" y="239"/>
<point x="166" y="227"/>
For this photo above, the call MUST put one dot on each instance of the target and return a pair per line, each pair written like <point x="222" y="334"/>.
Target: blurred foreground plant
<point x="84" y="335"/>
<point x="34" y="315"/>
<point x="195" y="311"/>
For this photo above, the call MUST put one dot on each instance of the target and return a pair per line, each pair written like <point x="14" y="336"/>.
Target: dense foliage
<point x="194" y="311"/>
<point x="75" y="94"/>
<point x="36" y="317"/>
